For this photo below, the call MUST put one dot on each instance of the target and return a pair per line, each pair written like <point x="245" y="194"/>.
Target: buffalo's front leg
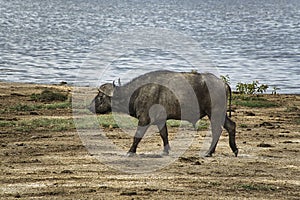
<point x="140" y="132"/>
<point x="164" y="135"/>
<point x="216" y="130"/>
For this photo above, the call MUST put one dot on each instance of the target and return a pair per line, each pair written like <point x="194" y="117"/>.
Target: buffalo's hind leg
<point x="164" y="136"/>
<point x="230" y="127"/>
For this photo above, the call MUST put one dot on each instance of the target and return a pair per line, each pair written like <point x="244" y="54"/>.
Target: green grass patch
<point x="107" y="121"/>
<point x="256" y="104"/>
<point x="5" y="123"/>
<point x="243" y="126"/>
<point x="173" y="123"/>
<point x="252" y="101"/>
<point x="117" y="121"/>
<point x="25" y="107"/>
<point x="34" y="107"/>
<point x="44" y="124"/>
<point x="59" y="105"/>
<point x="200" y="125"/>
<point x="91" y="122"/>
<point x="256" y="187"/>
<point x="48" y="96"/>
<point x="125" y="121"/>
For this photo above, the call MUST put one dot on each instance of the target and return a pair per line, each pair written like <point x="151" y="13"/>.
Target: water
<point x="53" y="41"/>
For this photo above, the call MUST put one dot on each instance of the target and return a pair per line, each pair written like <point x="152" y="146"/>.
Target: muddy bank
<point x="43" y="157"/>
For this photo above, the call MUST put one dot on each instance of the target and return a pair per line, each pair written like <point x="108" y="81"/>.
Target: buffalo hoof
<point x="236" y="152"/>
<point x="164" y="153"/>
<point x="208" y="155"/>
<point x="130" y="154"/>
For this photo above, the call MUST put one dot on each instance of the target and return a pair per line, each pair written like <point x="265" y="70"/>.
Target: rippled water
<point x="53" y="41"/>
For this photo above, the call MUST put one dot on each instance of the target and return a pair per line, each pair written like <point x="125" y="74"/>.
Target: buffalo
<point x="157" y="96"/>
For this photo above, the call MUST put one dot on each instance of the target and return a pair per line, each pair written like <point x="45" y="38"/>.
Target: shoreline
<point x="63" y="83"/>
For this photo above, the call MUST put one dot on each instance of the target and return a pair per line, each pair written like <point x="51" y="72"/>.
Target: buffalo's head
<point x="101" y="104"/>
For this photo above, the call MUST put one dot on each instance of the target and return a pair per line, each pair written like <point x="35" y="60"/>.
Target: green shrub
<point x="251" y="88"/>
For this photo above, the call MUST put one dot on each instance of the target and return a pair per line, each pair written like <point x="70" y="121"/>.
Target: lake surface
<point x="90" y="42"/>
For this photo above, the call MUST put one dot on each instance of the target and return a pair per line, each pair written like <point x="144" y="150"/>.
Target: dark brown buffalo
<point x="155" y="97"/>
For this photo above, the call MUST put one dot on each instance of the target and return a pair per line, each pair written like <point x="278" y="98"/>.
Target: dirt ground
<point x="41" y="164"/>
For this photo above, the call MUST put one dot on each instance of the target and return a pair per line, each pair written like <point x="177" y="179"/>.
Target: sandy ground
<point x="41" y="164"/>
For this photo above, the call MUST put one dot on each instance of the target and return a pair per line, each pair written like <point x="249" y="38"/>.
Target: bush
<point x="251" y="88"/>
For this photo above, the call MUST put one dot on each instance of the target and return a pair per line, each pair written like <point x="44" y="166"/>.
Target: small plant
<point x="262" y="88"/>
<point x="275" y="89"/>
<point x="226" y="79"/>
<point x="246" y="88"/>
<point x="251" y="88"/>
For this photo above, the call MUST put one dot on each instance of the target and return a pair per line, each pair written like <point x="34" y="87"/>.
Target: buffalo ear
<point x="119" y="83"/>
